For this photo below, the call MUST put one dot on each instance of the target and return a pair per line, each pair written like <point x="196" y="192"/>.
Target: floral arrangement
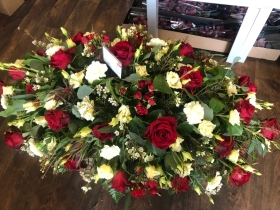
<point x="177" y="119"/>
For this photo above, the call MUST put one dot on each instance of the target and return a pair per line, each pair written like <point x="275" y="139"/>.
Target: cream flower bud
<point x="141" y="70"/>
<point x="83" y="132"/>
<point x="231" y="88"/>
<point x="197" y="190"/>
<point x="176" y="147"/>
<point x="187" y="156"/>
<point x="65" y="74"/>
<point x="105" y="172"/>
<point x="8" y="90"/>
<point x="70" y="43"/>
<point x="108" y="152"/>
<point x="234" y="117"/>
<point x="77" y="79"/>
<point x="173" y="80"/>
<point x="234" y="155"/>
<point x="206" y="128"/>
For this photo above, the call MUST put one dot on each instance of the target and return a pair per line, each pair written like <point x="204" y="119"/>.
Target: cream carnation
<point x="234" y="117"/>
<point x="108" y="152"/>
<point x="105" y="172"/>
<point x="4" y="101"/>
<point x="95" y="71"/>
<point x="141" y="70"/>
<point x="124" y="115"/>
<point x="194" y="112"/>
<point x="86" y="108"/>
<point x="206" y="128"/>
<point x="156" y="42"/>
<point x="176" y="147"/>
<point x="152" y="171"/>
<point x="214" y="183"/>
<point x="34" y="149"/>
<point x="173" y="80"/>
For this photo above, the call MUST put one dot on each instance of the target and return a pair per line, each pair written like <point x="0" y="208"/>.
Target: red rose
<point x="77" y="39"/>
<point x="269" y="128"/>
<point x="137" y="193"/>
<point x="2" y="84"/>
<point x="17" y="73"/>
<point x="180" y="184"/>
<point x="14" y="138"/>
<point x="238" y="176"/>
<point x="72" y="163"/>
<point x="223" y="148"/>
<point x="61" y="59"/>
<point x="244" y="80"/>
<point x="162" y="132"/>
<point x="122" y="90"/>
<point x="152" y="186"/>
<point x="29" y="89"/>
<point x="57" y="119"/>
<point x="105" y="39"/>
<point x="120" y="181"/>
<point x="186" y="50"/>
<point x="194" y="79"/>
<point x="99" y="135"/>
<point x="123" y="50"/>
<point x="87" y="38"/>
<point x="138" y="94"/>
<point x="138" y="169"/>
<point x="41" y="52"/>
<point x="150" y="86"/>
<point x="140" y="109"/>
<point x="245" y="109"/>
<point x="152" y="101"/>
<point x="141" y="84"/>
<point x="148" y="96"/>
<point x="139" y="38"/>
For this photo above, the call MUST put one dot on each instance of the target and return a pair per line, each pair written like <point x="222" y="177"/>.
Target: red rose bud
<point x="99" y="135"/>
<point x="194" y="79"/>
<point x="244" y="80"/>
<point x="17" y="73"/>
<point x="137" y="193"/>
<point x="141" y="84"/>
<point x="140" y="109"/>
<point x="152" y="102"/>
<point x="41" y="52"/>
<point x="239" y="177"/>
<point x="61" y="59"/>
<point x="245" y="109"/>
<point x="77" y="38"/>
<point x="180" y="184"/>
<point x="138" y="169"/>
<point x="269" y="128"/>
<point x="57" y="119"/>
<point x="14" y="138"/>
<point x="123" y="90"/>
<point x="106" y="39"/>
<point x="223" y="148"/>
<point x="186" y="50"/>
<point x="88" y="37"/>
<point x="150" y="86"/>
<point x="72" y="163"/>
<point x="29" y="89"/>
<point x="152" y="186"/>
<point x="148" y="96"/>
<point x="162" y="132"/>
<point x="2" y="84"/>
<point x="124" y="51"/>
<point x="138" y="95"/>
<point x="120" y="181"/>
<point x="36" y="103"/>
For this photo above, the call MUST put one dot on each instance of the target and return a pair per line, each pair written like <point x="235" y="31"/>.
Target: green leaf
<point x="137" y="138"/>
<point x="154" y="115"/>
<point x="84" y="91"/>
<point x="75" y="111"/>
<point x="107" y="129"/>
<point x="216" y="104"/>
<point x="189" y="94"/>
<point x="147" y="56"/>
<point x="137" y="125"/>
<point x="251" y="147"/>
<point x="217" y="73"/>
<point x="132" y="78"/>
<point x="127" y="201"/>
<point x="73" y="126"/>
<point x="184" y="128"/>
<point x="37" y="64"/>
<point x="235" y="60"/>
<point x="109" y="86"/>
<point x="161" y="85"/>
<point x="208" y="112"/>
<point x="34" y="132"/>
<point x="25" y="96"/>
<point x="154" y="149"/>
<point x="234" y="130"/>
<point x="114" y="194"/>
<point x="169" y="161"/>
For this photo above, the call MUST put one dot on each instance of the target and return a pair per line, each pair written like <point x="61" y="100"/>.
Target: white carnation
<point x="52" y="50"/>
<point x="52" y="104"/>
<point x="4" y="101"/>
<point x="214" y="183"/>
<point x="109" y="152"/>
<point x="86" y="108"/>
<point x="194" y="112"/>
<point x="234" y="117"/>
<point x="156" y="42"/>
<point x="206" y="128"/>
<point x="95" y="71"/>
<point x="173" y="80"/>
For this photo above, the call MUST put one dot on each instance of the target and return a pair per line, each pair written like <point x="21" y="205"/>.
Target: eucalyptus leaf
<point x="234" y="130"/>
<point x="84" y="91"/>
<point x="76" y="112"/>
<point x="184" y="128"/>
<point x="154" y="149"/>
<point x="132" y="78"/>
<point x="37" y="64"/>
<point x="24" y="96"/>
<point x="208" y="112"/>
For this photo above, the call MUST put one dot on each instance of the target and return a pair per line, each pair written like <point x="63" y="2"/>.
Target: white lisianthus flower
<point x="40" y="120"/>
<point x="231" y="88"/>
<point x="86" y="108"/>
<point x="34" y="149"/>
<point x="76" y="79"/>
<point x="252" y="98"/>
<point x="124" y="34"/>
<point x="234" y="155"/>
<point x="105" y="172"/>
<point x="29" y="107"/>
<point x="141" y="71"/>
<point x="95" y="71"/>
<point x="8" y="90"/>
<point x="156" y="42"/>
<point x="109" y="152"/>
<point x="206" y="128"/>
<point x="52" y="50"/>
<point x="52" y="104"/>
<point x="234" y="117"/>
<point x="176" y="147"/>
<point x="4" y="101"/>
<point x="194" y="112"/>
<point x="70" y="43"/>
<point x="124" y="115"/>
<point x="152" y="171"/>
<point x="184" y="170"/>
<point x="17" y="123"/>
<point x="187" y="156"/>
<point x="214" y="183"/>
<point x="173" y="80"/>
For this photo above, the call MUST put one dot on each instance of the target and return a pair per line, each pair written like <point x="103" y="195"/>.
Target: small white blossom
<point x="214" y="183"/>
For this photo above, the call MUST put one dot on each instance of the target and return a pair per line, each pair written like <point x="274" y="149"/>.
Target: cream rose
<point x="156" y="42"/>
<point x="76" y="79"/>
<point x="206" y="128"/>
<point x="105" y="172"/>
<point x="124" y="115"/>
<point x="173" y="80"/>
<point x="234" y="117"/>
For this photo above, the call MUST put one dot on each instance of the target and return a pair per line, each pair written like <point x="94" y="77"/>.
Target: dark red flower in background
<point x="29" y="89"/>
<point x="77" y="39"/>
<point x="180" y="184"/>
<point x="245" y="109"/>
<point x="14" y="138"/>
<point x="123" y="51"/>
<point x="17" y="73"/>
<point x="223" y="148"/>
<point x="120" y="181"/>
<point x="99" y="135"/>
<point x="269" y="128"/>
<point x="57" y="119"/>
<point x="244" y="80"/>
<point x="186" y="50"/>
<point x="191" y="80"/>
<point x="239" y="176"/>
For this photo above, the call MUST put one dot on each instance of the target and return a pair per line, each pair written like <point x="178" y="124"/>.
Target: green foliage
<point x="84" y="91"/>
<point x="184" y="128"/>
<point x="114" y="194"/>
<point x="216" y="104"/>
<point x="161" y="85"/>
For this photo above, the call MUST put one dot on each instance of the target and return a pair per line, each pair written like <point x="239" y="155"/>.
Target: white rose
<point x="234" y="117"/>
<point x="206" y="128"/>
<point x="194" y="112"/>
<point x="52" y="104"/>
<point x="105" y="172"/>
<point x="184" y="170"/>
<point x="33" y="148"/>
<point x="176" y="147"/>
<point x="8" y="90"/>
<point x="253" y="100"/>
<point x="173" y="80"/>
<point x="123" y="115"/>
<point x="95" y="71"/>
<point x="214" y="183"/>
<point x="234" y="155"/>
<point x="109" y="152"/>
<point x="52" y="50"/>
<point x="40" y="120"/>
<point x="156" y="42"/>
<point x="4" y="101"/>
<point x="77" y="79"/>
<point x="141" y="70"/>
<point x="231" y="88"/>
<point x="152" y="171"/>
